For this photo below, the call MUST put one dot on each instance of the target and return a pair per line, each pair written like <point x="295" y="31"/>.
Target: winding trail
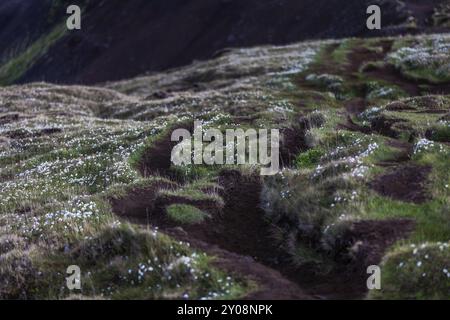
<point x="240" y="238"/>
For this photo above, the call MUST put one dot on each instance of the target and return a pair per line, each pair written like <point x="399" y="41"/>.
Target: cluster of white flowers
<point x="382" y="92"/>
<point x="444" y="123"/>
<point x="100" y="158"/>
<point x="282" y="106"/>
<point x="169" y="271"/>
<point x="359" y="172"/>
<point x="143" y="269"/>
<point x="371" y="148"/>
<point x="423" y="145"/>
<point x="371" y="113"/>
<point x="34" y="125"/>
<point x="71" y="219"/>
<point x="182" y="261"/>
<point x="443" y="245"/>
<point x="225" y="285"/>
<point x="421" y="254"/>
<point x="298" y="63"/>
<point x="318" y="171"/>
<point x="355" y="162"/>
<point x="16" y="191"/>
<point x="74" y="217"/>
<point x="344" y="198"/>
<point x="284" y="194"/>
<point x="433" y="54"/>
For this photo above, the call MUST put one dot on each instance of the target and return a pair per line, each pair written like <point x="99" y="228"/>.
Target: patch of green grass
<point x="415" y="272"/>
<point x="186" y="214"/>
<point x="118" y="191"/>
<point x="309" y="158"/>
<point x="16" y="67"/>
<point x="192" y="194"/>
<point x="119" y="262"/>
<point x="433" y="222"/>
<point x="341" y="53"/>
<point x="377" y="90"/>
<point x="371" y="65"/>
<point x="384" y="152"/>
<point x="309" y="100"/>
<point x="440" y="133"/>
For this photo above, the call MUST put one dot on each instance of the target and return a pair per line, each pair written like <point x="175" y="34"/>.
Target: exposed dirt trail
<point x="240" y="237"/>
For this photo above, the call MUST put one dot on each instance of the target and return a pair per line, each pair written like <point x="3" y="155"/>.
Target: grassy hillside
<point x="86" y="178"/>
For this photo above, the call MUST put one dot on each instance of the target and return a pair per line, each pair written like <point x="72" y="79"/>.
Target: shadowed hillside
<point x="122" y="39"/>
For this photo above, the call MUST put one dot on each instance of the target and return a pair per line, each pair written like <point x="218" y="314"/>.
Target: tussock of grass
<point x="327" y="191"/>
<point x="185" y="214"/>
<point x="426" y="60"/>
<point x="118" y="262"/>
<point x="192" y="195"/>
<point x="415" y="272"/>
<point x="309" y="158"/>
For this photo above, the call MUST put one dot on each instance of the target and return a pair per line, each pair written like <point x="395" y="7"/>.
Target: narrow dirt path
<point x="240" y="239"/>
<point x="272" y="285"/>
<point x="239" y="236"/>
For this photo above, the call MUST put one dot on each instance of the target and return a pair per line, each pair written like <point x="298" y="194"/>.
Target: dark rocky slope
<point x="122" y="39"/>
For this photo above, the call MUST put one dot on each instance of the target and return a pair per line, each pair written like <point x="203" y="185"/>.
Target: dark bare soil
<point x="361" y="54"/>
<point x="370" y="239"/>
<point x="405" y="183"/>
<point x="352" y="126"/>
<point x="293" y="140"/>
<point x="14" y="33"/>
<point x="363" y="244"/>
<point x="7" y="118"/>
<point x="241" y="239"/>
<point x="238" y="235"/>
<point x="156" y="160"/>
<point x="139" y="204"/>
<point x="272" y="285"/>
